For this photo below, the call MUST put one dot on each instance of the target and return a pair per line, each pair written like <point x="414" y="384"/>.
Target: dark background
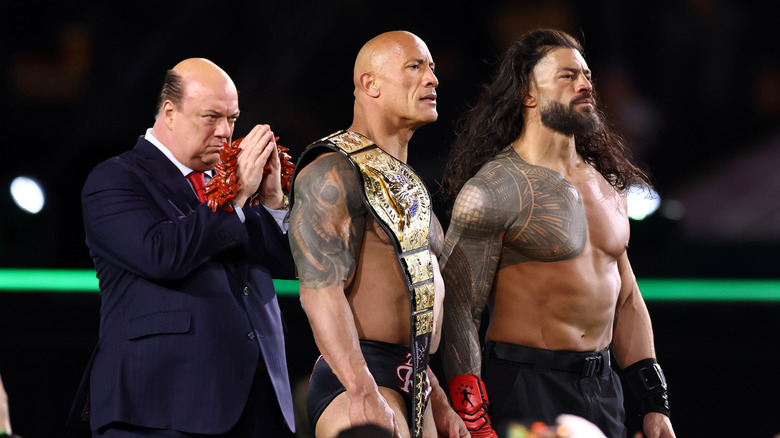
<point x="693" y="85"/>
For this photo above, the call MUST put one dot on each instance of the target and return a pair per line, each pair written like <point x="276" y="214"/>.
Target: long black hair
<point x="496" y="120"/>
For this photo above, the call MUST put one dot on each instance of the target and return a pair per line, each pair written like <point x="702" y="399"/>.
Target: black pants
<point x="529" y="384"/>
<point x="261" y="418"/>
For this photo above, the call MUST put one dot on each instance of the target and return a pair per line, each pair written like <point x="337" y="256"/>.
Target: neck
<point x="392" y="139"/>
<point x="541" y="146"/>
<point x="161" y="132"/>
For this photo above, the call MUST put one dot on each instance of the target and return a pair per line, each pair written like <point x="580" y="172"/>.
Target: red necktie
<point x="199" y="184"/>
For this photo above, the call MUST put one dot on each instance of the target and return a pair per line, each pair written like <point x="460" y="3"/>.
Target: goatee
<point x="567" y="120"/>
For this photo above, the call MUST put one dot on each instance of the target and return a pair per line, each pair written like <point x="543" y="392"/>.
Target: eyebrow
<point x="422" y="61"/>
<point x="217" y="113"/>
<point x="577" y="70"/>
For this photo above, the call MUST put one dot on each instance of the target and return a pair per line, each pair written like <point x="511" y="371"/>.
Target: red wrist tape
<point x="470" y="401"/>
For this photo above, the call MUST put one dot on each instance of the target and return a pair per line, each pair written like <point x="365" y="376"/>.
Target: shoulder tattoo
<point x="326" y="222"/>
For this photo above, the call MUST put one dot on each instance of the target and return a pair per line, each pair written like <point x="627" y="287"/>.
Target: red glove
<point x="470" y="401"/>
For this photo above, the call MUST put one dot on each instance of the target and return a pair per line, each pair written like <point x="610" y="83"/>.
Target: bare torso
<point x="557" y="241"/>
<point x="557" y="283"/>
<point x="378" y="293"/>
<point x="350" y="249"/>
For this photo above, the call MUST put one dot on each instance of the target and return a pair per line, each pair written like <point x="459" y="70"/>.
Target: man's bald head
<point x="191" y="75"/>
<point x="374" y="55"/>
<point x="395" y="84"/>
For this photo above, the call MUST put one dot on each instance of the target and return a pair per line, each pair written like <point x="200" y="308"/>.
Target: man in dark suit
<point x="191" y="338"/>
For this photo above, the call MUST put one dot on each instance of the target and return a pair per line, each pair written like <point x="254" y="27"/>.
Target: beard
<point x="567" y="120"/>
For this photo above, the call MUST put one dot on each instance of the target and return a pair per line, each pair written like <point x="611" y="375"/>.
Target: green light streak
<point x="68" y="281"/>
<point x="44" y="280"/>
<point x="709" y="290"/>
<point x="65" y="280"/>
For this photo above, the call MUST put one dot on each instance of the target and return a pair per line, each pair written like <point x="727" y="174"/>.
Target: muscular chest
<point x="551" y="222"/>
<point x="607" y="219"/>
<point x="557" y="219"/>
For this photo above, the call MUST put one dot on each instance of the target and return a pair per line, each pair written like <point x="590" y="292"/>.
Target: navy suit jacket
<point x="188" y="306"/>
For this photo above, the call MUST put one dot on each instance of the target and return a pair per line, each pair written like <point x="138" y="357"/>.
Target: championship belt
<point x="399" y="201"/>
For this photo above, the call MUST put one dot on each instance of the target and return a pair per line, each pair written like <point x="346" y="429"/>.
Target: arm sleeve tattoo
<point x="326" y="222"/>
<point x="472" y="248"/>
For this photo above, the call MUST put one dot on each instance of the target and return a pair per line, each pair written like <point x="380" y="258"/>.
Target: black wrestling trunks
<point x="390" y="364"/>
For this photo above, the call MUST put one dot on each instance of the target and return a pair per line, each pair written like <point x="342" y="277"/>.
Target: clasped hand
<point x="258" y="148"/>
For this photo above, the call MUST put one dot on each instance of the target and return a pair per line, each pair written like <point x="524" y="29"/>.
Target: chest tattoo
<point x="548" y="223"/>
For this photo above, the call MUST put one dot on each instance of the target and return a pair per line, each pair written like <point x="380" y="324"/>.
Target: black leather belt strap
<point x="586" y="364"/>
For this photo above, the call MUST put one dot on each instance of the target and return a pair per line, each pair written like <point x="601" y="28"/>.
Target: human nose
<point x="224" y="128"/>
<point x="431" y="79"/>
<point x="584" y="85"/>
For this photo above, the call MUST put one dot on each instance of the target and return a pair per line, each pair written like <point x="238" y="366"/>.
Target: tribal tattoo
<point x="510" y="212"/>
<point x="326" y="222"/>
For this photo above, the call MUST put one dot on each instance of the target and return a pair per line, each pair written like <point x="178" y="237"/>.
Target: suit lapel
<point x="182" y="198"/>
<point x="171" y="182"/>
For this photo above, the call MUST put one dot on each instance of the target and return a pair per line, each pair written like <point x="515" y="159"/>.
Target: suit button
<point x="251" y="335"/>
<point x="246" y="290"/>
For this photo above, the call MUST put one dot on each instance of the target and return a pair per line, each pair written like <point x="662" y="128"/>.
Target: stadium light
<point x="27" y="194"/>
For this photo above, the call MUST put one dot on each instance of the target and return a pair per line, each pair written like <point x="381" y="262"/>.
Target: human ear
<point x="368" y="83"/>
<point x="168" y="112"/>
<point x="529" y="101"/>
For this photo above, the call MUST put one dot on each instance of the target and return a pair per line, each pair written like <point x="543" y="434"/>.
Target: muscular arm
<point x="472" y="248"/>
<point x="632" y="340"/>
<point x="326" y="227"/>
<point x="326" y="230"/>
<point x="633" y="334"/>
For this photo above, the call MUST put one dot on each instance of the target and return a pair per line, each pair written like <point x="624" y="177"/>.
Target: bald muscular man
<point x="365" y="242"/>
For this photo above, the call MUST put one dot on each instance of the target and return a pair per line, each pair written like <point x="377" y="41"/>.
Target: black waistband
<point x="586" y="364"/>
<point x="380" y="347"/>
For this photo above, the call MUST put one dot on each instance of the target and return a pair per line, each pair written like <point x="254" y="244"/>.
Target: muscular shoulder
<point x="541" y="214"/>
<point x="496" y="195"/>
<point x="326" y="222"/>
<point x="326" y="167"/>
<point x="330" y="180"/>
